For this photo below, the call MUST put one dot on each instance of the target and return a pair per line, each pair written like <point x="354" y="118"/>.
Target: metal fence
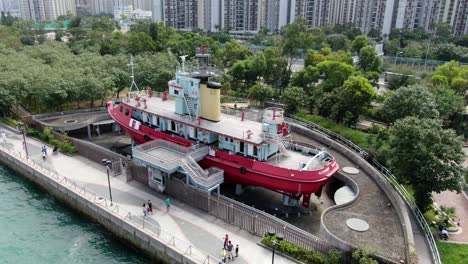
<point x="182" y="246"/>
<point x="247" y="218"/>
<point x="389" y="177"/>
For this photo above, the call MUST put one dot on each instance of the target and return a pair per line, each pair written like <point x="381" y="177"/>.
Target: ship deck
<point x="294" y="160"/>
<point x="229" y="126"/>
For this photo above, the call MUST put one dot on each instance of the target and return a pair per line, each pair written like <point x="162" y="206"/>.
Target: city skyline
<point x="249" y="16"/>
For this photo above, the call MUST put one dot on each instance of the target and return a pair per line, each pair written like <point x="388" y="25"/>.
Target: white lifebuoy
<point x="205" y="141"/>
<point x="181" y="133"/>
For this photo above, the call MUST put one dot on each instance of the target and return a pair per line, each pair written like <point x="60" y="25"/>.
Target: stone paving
<point x="460" y="203"/>
<point x="186" y="223"/>
<point x="385" y="234"/>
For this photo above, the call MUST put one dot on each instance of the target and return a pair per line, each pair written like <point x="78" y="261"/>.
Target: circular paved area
<point x="357" y="224"/>
<point x="386" y="235"/>
<point x="343" y="195"/>
<point x="350" y="170"/>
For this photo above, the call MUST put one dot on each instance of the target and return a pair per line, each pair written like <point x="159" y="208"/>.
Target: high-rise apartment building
<point x="39" y="10"/>
<point x="10" y="6"/>
<point x="241" y="15"/>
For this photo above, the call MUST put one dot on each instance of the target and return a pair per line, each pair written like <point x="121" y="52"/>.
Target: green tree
<point x="232" y="53"/>
<point x="276" y="74"/>
<point x="338" y="42"/>
<point x="352" y="100"/>
<point x="334" y="73"/>
<point x="293" y="97"/>
<point x="453" y="75"/>
<point x="409" y="101"/>
<point x="369" y="61"/>
<point x="105" y="24"/>
<point x="140" y="42"/>
<point x="359" y="42"/>
<point x="391" y="47"/>
<point x="306" y="78"/>
<point x="260" y="93"/>
<point x="297" y="38"/>
<point x="426" y="156"/>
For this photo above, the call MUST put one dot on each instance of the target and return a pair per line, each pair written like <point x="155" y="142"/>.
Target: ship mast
<point x="131" y="64"/>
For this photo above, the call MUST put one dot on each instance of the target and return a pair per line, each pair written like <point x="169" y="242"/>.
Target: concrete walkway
<point x="203" y="231"/>
<point x="386" y="239"/>
<point x="460" y="203"/>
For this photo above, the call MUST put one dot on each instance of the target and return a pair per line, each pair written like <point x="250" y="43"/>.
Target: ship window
<point x="127" y="112"/>
<point x="121" y="109"/>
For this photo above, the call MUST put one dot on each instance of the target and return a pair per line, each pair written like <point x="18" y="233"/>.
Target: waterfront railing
<point x="182" y="246"/>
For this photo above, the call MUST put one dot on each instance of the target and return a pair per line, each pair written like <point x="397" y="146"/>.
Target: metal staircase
<point x="188" y="103"/>
<point x="206" y="179"/>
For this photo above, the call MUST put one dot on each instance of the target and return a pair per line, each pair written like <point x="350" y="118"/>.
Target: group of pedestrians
<point x="228" y="252"/>
<point x="148" y="207"/>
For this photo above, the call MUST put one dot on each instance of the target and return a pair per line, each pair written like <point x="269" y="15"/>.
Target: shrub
<point x="10" y="121"/>
<point x="302" y="254"/>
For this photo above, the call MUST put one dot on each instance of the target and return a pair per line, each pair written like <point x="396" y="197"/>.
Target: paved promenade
<point x="183" y="222"/>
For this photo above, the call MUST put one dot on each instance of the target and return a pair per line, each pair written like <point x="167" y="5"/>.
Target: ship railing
<point x="195" y="70"/>
<point x="180" y="246"/>
<point x="389" y="179"/>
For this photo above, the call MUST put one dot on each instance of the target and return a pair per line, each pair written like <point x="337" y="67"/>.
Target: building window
<point x="127" y="112"/>
<point x="176" y="91"/>
<point x="121" y="109"/>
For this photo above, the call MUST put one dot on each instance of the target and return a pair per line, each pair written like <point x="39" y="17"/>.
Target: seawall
<point x="126" y="228"/>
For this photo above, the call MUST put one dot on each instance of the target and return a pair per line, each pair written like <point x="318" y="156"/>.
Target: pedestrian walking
<point x="45" y="149"/>
<point x="150" y="207"/>
<point x="145" y="211"/>
<point x="230" y="247"/>
<point x="237" y="250"/>
<point x="55" y="151"/>
<point x="223" y="255"/>
<point x="43" y="156"/>
<point x="226" y="240"/>
<point x="4" y="137"/>
<point x="168" y="203"/>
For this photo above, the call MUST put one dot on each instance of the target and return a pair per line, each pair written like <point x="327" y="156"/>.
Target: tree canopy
<point x="427" y="156"/>
<point x="409" y="101"/>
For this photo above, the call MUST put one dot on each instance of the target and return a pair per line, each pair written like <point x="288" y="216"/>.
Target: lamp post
<point x="279" y="237"/>
<point x="107" y="163"/>
<point x="398" y="53"/>
<point x="22" y="127"/>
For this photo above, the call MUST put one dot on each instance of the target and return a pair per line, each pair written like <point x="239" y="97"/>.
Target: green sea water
<point x="35" y="228"/>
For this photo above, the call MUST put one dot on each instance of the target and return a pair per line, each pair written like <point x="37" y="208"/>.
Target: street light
<point x="279" y="237"/>
<point x="107" y="163"/>
<point x="398" y="53"/>
<point x="22" y="127"/>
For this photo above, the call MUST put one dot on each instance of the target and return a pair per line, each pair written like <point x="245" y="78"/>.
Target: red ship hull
<point x="239" y="169"/>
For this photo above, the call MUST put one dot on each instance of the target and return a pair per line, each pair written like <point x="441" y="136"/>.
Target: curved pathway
<point x="385" y="234"/>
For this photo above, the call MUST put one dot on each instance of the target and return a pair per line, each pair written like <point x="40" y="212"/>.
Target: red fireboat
<point x="183" y="131"/>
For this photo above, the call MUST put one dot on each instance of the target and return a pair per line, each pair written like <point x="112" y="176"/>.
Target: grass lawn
<point x="358" y="137"/>
<point x="453" y="253"/>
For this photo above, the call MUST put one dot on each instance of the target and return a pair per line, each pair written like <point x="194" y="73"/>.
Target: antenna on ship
<point x="131" y="64"/>
<point x="182" y="58"/>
